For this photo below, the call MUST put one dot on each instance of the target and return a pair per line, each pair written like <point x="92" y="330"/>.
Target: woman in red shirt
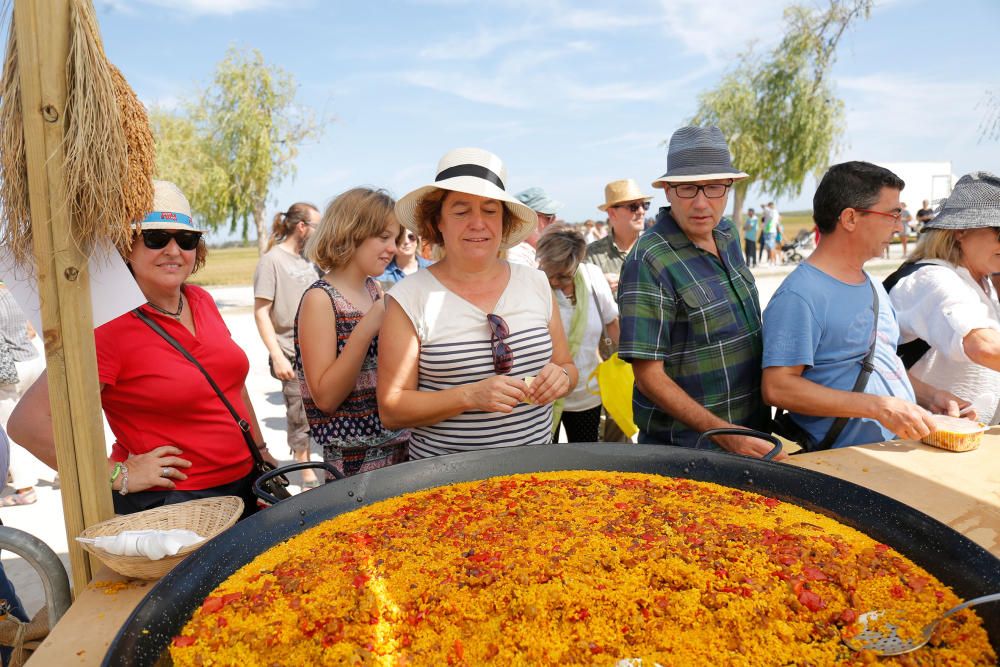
<point x="175" y="440"/>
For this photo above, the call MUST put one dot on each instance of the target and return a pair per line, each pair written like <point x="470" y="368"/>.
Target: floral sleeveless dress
<point x="353" y="438"/>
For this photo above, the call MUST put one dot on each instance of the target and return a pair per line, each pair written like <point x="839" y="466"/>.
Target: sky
<point x="570" y="95"/>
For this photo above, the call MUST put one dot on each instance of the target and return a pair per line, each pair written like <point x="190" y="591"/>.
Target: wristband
<point x="117" y="470"/>
<point x="124" y="490"/>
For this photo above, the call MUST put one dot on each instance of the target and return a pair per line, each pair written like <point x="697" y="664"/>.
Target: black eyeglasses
<point x="712" y="190"/>
<point x="157" y="239"/>
<point x="634" y="206"/>
<point x="503" y="356"/>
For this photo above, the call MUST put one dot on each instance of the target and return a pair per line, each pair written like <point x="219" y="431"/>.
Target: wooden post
<point x="42" y="30"/>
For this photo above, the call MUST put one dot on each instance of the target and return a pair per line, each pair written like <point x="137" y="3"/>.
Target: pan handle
<point x="744" y="431"/>
<point x="270" y="499"/>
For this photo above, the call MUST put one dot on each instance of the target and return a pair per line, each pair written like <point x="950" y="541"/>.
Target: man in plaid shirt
<point x="690" y="314"/>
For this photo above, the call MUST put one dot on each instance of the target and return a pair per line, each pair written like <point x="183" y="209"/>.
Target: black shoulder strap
<point x="242" y="423"/>
<point x="859" y="385"/>
<point x="913" y="351"/>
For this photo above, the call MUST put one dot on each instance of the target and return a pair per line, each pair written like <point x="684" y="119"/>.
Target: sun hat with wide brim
<point x="617" y="192"/>
<point x="974" y="202"/>
<point x="698" y="154"/>
<point x="477" y="172"/>
<point x="171" y="210"/>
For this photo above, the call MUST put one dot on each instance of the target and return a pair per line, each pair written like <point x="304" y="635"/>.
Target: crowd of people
<point x="462" y="317"/>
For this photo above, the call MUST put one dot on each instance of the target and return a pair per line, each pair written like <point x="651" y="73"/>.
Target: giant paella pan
<point x="954" y="560"/>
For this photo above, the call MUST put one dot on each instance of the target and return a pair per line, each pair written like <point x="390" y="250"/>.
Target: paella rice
<point x="572" y="568"/>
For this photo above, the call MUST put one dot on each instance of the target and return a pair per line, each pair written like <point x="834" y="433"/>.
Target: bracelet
<point x="124" y="490"/>
<point x="117" y="470"/>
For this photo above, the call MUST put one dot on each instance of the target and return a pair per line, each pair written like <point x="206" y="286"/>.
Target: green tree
<point x="779" y="111"/>
<point x="227" y="149"/>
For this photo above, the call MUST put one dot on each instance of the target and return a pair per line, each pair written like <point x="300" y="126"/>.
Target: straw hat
<point x="973" y="203"/>
<point x="616" y="192"/>
<point x="698" y="154"/>
<point x="171" y="209"/>
<point x="477" y="172"/>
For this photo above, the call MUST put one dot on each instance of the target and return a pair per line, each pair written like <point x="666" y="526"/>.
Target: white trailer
<point x="932" y="181"/>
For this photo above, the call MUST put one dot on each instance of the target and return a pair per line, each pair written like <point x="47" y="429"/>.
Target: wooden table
<point x="961" y="490"/>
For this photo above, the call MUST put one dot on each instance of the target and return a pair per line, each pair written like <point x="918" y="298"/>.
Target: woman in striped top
<point x="477" y="353"/>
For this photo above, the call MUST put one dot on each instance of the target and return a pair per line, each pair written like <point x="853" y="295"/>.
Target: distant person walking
<point x="751" y="227"/>
<point x="924" y="215"/>
<point x="281" y="277"/>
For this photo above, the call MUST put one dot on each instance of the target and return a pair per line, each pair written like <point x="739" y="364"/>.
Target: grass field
<point x="234" y="266"/>
<point x="227" y="266"/>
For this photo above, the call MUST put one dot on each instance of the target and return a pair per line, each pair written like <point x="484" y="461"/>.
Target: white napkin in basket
<point x="153" y="544"/>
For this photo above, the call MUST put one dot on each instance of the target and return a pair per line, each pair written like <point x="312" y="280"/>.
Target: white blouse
<point x="586" y="358"/>
<point x="942" y="304"/>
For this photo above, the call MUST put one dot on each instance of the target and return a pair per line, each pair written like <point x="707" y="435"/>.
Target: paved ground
<point x="44" y="519"/>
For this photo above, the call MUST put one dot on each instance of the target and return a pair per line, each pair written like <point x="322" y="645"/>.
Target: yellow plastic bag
<point x="615" y="381"/>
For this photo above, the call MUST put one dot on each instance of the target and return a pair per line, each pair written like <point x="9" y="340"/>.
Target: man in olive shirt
<point x="626" y="207"/>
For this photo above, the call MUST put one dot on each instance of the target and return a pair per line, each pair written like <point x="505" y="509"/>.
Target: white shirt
<point x="586" y="358"/>
<point x="942" y="304"/>
<point x="523" y="253"/>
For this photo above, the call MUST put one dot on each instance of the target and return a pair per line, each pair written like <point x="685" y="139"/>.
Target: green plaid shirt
<point x="701" y="317"/>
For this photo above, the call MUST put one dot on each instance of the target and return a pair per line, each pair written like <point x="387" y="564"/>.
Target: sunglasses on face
<point x="634" y="206"/>
<point x="157" y="239"/>
<point x="503" y="356"/>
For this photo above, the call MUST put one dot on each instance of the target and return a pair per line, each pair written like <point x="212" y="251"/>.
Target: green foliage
<point x="236" y="140"/>
<point x="779" y="112"/>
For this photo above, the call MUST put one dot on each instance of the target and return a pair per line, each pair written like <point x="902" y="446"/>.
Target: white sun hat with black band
<point x="171" y="210"/>
<point x="698" y="154"/>
<point x="477" y="172"/>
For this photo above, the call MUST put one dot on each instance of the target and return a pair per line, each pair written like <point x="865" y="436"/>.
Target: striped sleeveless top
<point x="456" y="349"/>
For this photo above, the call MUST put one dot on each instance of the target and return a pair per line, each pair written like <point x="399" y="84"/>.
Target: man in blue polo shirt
<point x="820" y="325"/>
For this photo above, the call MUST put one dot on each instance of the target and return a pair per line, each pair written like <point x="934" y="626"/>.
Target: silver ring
<point x="166" y="472"/>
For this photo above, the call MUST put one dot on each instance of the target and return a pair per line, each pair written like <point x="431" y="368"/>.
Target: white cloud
<point x="719" y="29"/>
<point x="483" y="43"/>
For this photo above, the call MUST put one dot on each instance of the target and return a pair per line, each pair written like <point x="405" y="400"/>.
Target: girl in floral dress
<point x="354" y="242"/>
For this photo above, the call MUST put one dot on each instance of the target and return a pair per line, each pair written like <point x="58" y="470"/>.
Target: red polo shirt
<point x="153" y="396"/>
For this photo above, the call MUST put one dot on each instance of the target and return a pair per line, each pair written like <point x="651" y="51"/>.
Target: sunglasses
<point x="634" y="206"/>
<point x="157" y="239"/>
<point x="503" y="356"/>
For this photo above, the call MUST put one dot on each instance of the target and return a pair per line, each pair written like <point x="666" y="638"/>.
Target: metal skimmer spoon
<point x="888" y="642"/>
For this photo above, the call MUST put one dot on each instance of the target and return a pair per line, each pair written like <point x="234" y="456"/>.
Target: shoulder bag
<point x="615" y="380"/>
<point x="787" y="428"/>
<point x="276" y="486"/>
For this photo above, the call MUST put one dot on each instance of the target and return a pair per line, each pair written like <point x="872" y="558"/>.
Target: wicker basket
<point x="207" y="516"/>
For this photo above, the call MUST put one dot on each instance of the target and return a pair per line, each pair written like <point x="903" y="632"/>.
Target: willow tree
<point x="235" y="141"/>
<point x="779" y="111"/>
<point x="990" y="128"/>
